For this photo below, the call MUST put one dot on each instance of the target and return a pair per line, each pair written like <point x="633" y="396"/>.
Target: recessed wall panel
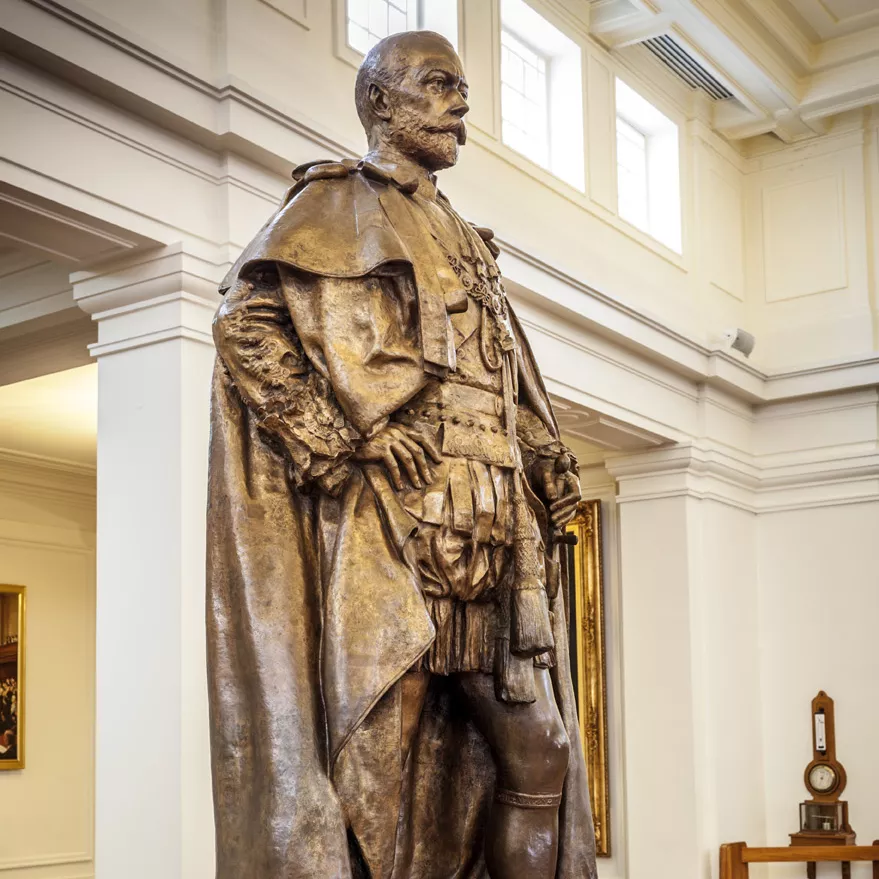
<point x="726" y="265"/>
<point x="804" y="238"/>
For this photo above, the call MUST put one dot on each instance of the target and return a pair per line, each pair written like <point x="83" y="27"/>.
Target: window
<point x="524" y="99"/>
<point x="648" y="168"/>
<point x="541" y="92"/>
<point x="632" y="173"/>
<point x="371" y="20"/>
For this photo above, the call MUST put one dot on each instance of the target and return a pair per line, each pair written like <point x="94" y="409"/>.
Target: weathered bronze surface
<point x="389" y="671"/>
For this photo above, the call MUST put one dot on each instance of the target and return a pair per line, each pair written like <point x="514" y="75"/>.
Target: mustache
<point x="458" y="128"/>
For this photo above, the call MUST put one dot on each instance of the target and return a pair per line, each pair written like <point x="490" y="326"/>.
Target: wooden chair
<point x="735" y="857"/>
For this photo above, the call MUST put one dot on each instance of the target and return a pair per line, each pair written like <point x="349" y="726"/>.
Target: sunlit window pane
<point x="371" y="20"/>
<point x="359" y="37"/>
<point x="524" y="99"/>
<point x="648" y="167"/>
<point x="632" y="173"/>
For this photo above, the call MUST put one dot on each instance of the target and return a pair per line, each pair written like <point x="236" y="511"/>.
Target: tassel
<point x="530" y="626"/>
<point x="513" y="675"/>
<point x="553" y="576"/>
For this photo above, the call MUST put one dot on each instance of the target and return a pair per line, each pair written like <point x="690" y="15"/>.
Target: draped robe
<point x="335" y="316"/>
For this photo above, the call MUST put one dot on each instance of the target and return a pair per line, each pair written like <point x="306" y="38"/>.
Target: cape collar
<point x="406" y="177"/>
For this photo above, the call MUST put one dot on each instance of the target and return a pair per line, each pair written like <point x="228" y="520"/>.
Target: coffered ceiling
<point x="826" y="19"/>
<point x="791" y="65"/>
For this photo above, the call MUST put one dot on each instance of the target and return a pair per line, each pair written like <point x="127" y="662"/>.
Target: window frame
<point x="645" y="138"/>
<point x="411" y="15"/>
<point x="547" y="108"/>
<point x="565" y="58"/>
<point x="347" y="53"/>
<point x="656" y="140"/>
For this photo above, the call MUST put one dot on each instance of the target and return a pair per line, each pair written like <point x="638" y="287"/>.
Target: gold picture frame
<point x="589" y="661"/>
<point x="13" y="608"/>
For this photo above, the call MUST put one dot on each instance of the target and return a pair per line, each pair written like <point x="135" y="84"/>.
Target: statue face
<point x="428" y="105"/>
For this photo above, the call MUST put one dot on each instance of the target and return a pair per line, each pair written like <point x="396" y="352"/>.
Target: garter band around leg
<point x="527" y="801"/>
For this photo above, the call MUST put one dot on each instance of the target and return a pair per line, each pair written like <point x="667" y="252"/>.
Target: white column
<point x="690" y="661"/>
<point x="155" y="354"/>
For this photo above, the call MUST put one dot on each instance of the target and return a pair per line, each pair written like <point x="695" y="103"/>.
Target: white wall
<point x="47" y="543"/>
<point x="819" y="604"/>
<point x="811" y="214"/>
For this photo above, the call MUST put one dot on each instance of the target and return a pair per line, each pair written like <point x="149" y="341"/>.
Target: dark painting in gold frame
<point x="588" y="659"/>
<point x="12" y="652"/>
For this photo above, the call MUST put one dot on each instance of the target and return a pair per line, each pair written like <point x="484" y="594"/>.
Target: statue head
<point x="411" y="97"/>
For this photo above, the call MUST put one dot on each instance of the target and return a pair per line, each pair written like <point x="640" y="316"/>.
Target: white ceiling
<point x="792" y="65"/>
<point x="54" y="416"/>
<point x="826" y="19"/>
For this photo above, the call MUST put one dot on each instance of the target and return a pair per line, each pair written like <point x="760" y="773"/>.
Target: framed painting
<point x="12" y="632"/>
<point x="588" y="657"/>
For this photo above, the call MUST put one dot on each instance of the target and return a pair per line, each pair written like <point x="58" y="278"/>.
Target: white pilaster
<point x="155" y="354"/>
<point x="690" y="660"/>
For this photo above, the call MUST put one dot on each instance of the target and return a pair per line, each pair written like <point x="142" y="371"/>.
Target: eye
<point x="437" y="83"/>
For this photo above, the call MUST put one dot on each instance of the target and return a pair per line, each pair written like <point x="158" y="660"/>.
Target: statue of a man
<point x="389" y="671"/>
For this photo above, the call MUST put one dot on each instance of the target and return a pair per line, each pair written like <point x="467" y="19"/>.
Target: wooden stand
<point x="804" y="839"/>
<point x="735" y="857"/>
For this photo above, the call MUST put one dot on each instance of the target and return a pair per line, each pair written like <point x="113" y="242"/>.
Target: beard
<point x="433" y="146"/>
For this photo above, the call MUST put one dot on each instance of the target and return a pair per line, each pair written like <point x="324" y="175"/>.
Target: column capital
<point x="694" y="469"/>
<point x="757" y="484"/>
<point x="149" y="297"/>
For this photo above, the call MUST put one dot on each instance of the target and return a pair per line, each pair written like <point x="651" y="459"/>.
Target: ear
<point x="380" y="101"/>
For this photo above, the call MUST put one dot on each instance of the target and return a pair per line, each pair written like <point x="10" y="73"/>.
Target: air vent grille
<point x="686" y="67"/>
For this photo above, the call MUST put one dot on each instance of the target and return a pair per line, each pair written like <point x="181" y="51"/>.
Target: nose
<point x="461" y="108"/>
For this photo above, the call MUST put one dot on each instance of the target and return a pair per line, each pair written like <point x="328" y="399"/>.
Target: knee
<point x="538" y="760"/>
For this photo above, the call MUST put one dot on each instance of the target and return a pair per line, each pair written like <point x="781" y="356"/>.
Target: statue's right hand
<point x="396" y="446"/>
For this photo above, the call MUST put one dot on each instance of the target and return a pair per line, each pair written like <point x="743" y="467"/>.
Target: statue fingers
<point x="572" y="481"/>
<point x="404" y="456"/>
<point x="393" y="470"/>
<point x="550" y="492"/>
<point x="568" y="500"/>
<point x="418" y="455"/>
<point x="427" y="442"/>
<point x="561" y="516"/>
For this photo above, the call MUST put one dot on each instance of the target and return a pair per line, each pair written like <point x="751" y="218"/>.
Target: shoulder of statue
<point x="345" y="169"/>
<point x="319" y="169"/>
<point x="330" y="223"/>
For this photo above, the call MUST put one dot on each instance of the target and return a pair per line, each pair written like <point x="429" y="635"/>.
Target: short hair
<point x="382" y="66"/>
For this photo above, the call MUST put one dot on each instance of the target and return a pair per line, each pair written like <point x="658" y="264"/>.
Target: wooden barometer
<point x="824" y="817"/>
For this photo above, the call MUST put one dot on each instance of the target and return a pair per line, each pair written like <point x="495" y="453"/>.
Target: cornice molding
<point x="705" y="471"/>
<point x="51" y="477"/>
<point x="608" y="317"/>
<point x="121" y="286"/>
<point x="156" y="296"/>
<point x="231" y="91"/>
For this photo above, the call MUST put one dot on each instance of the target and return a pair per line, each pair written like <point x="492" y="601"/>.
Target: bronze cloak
<point x="314" y="617"/>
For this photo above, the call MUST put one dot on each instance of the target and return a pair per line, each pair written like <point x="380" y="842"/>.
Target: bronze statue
<point x="388" y="656"/>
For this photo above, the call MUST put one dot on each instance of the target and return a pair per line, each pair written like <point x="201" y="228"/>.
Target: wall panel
<point x="47" y="539"/>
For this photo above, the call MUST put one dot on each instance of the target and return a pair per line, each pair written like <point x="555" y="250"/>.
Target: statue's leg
<point x="414" y="690"/>
<point x="530" y="748"/>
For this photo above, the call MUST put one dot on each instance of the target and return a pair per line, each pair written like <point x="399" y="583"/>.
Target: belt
<point x="470" y="422"/>
<point x="458" y="404"/>
<point x="451" y="395"/>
